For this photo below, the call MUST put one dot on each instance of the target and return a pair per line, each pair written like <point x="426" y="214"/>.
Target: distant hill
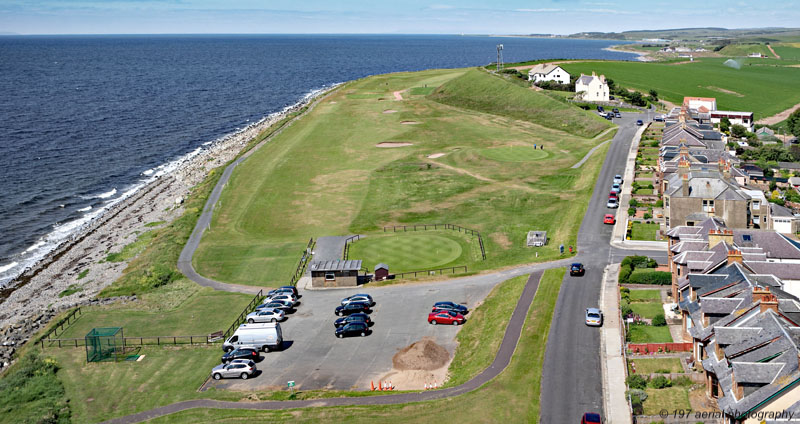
<point x="699" y="34"/>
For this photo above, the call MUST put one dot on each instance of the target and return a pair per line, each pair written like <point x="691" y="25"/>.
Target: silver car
<point x="617" y="179"/>
<point x="612" y="203"/>
<point x="266" y="315"/>
<point x="285" y="297"/>
<point x="241" y="368"/>
<point x="594" y="317"/>
<point x="359" y="298"/>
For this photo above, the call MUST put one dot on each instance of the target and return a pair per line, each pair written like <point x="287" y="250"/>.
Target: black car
<point x="353" y="329"/>
<point x="293" y="289"/>
<point x="240" y="353"/>
<point x="600" y="109"/>
<point x="279" y="304"/>
<point x="609" y="116"/>
<point x="639" y="122"/>
<point x="576" y="269"/>
<point x="352" y="308"/>
<point x="615" y="110"/>
<point x="356" y="317"/>
<point x="451" y="306"/>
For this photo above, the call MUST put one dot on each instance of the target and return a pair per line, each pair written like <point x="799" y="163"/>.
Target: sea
<point x="85" y="121"/>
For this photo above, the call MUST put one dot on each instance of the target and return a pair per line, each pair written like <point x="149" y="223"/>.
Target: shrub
<point x="660" y="382"/>
<point x="634" y="203"/>
<point x="631" y="211"/>
<point x="659" y="203"/>
<point x="625" y="308"/>
<point x="654" y="143"/>
<point x="624" y="274"/>
<point x="647" y="215"/>
<point x="659" y="320"/>
<point x="636" y="381"/>
<point x="646" y="276"/>
<point x="30" y="392"/>
<point x="682" y="381"/>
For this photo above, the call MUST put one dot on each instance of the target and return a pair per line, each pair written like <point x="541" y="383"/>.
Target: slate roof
<point x="780" y="211"/>
<point x="338" y="265"/>
<point x="544" y="68"/>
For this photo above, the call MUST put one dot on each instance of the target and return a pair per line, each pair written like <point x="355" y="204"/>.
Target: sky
<point x="384" y="17"/>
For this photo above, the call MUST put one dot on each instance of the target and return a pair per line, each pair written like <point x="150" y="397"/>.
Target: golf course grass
<point x="325" y="176"/>
<point x="413" y="251"/>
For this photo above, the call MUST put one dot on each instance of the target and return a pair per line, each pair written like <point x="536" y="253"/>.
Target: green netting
<point x="105" y="344"/>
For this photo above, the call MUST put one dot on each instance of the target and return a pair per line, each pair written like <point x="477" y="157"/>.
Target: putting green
<point x="514" y="153"/>
<point x="407" y="252"/>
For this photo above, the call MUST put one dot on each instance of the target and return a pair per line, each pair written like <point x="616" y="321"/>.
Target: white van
<point x="266" y="337"/>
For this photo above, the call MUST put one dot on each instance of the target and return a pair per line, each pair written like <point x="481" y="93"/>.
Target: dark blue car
<point x="352" y="308"/>
<point x="356" y="317"/>
<point x="451" y="306"/>
<point x="576" y="269"/>
<point x="353" y="329"/>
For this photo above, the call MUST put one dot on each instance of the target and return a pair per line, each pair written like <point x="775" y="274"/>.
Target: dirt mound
<point x="390" y="144"/>
<point x="435" y="155"/>
<point x="409" y="123"/>
<point x="422" y="355"/>
<point x="389" y="111"/>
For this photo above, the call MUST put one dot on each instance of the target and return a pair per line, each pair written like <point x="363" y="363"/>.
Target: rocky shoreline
<point x="79" y="265"/>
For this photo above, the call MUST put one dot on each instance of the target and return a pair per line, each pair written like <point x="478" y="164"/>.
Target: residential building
<point x="548" y="72"/>
<point x="691" y="196"/>
<point x="744" y="119"/>
<point x="784" y="219"/>
<point x="708" y="103"/>
<point x="759" y="209"/>
<point x="592" y="88"/>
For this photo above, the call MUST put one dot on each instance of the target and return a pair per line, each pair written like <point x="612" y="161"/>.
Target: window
<point x="756" y="204"/>
<point x="756" y="219"/>
<point x="708" y="206"/>
<point x="329" y="276"/>
<point x="746" y="237"/>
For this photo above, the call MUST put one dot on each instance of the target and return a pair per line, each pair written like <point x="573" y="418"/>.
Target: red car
<point x="591" y="418"/>
<point x="609" y="219"/>
<point x="445" y="317"/>
<point x="613" y="195"/>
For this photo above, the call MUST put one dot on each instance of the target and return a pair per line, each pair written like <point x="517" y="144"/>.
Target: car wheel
<point x="338" y="314"/>
<point x="339" y="335"/>
<point x="244" y="376"/>
<point x="217" y="376"/>
<point x="251" y="320"/>
<point x="434" y="322"/>
<point x="228" y="349"/>
<point x="363" y="334"/>
<point x="274" y="320"/>
<point x="266" y="349"/>
<point x="455" y="322"/>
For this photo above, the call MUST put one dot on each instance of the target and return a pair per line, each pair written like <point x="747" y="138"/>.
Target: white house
<point x="548" y="72"/>
<point x="592" y="88"/>
<point x="744" y="119"/>
<point x="709" y="103"/>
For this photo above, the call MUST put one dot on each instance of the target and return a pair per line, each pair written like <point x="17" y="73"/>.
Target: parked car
<point x="352" y="308"/>
<point x="616" y="188"/>
<point x="446" y="317"/>
<point x="594" y="317"/>
<point x="283" y="290"/>
<point x="600" y="109"/>
<point x="658" y="118"/>
<point x="293" y="289"/>
<point x="591" y="418"/>
<point x="609" y="219"/>
<point x="352" y="329"/>
<point x="613" y="195"/>
<point x="356" y="317"/>
<point x="241" y="368"/>
<point x="451" y="306"/>
<point x="280" y="304"/>
<point x="615" y="110"/>
<point x="265" y="336"/>
<point x="617" y="115"/>
<point x="639" y="122"/>
<point x="359" y="298"/>
<point x="576" y="269"/>
<point x="266" y="315"/>
<point x="286" y="297"/>
<point x="609" y="116"/>
<point x="618" y="179"/>
<point x="240" y="353"/>
<point x="612" y="203"/>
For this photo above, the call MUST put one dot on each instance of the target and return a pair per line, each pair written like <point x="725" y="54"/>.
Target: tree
<point x="654" y="95"/>
<point x="725" y="125"/>
<point x="793" y="123"/>
<point x="738" y="130"/>
<point x="636" y="99"/>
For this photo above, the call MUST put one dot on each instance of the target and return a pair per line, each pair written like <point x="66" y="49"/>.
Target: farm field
<point x="362" y="160"/>
<point x="758" y="86"/>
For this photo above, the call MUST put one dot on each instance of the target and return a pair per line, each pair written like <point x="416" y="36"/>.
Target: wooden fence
<point x="301" y="265"/>
<point x="426" y="227"/>
<point x="644" y="348"/>
<point x="136" y="341"/>
<point x="347" y="244"/>
<point x="430" y="271"/>
<point x="58" y="328"/>
<point x="243" y="316"/>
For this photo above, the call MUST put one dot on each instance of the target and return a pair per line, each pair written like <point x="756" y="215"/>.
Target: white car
<point x="618" y="179"/>
<point x="283" y="297"/>
<point x="594" y="317"/>
<point x="266" y="315"/>
<point x="612" y="203"/>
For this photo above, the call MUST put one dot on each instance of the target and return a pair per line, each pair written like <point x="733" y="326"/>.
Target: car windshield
<point x="593" y="315"/>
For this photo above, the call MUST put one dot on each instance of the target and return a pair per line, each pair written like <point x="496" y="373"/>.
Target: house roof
<point x="337" y="265"/>
<point x="544" y="69"/>
<point x="381" y="266"/>
<point x="780" y="211"/>
<point x="706" y="185"/>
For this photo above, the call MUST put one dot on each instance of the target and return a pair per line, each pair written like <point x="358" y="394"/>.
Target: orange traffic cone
<point x="371" y="385"/>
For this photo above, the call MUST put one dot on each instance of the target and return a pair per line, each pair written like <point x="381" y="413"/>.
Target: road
<point x="572" y="379"/>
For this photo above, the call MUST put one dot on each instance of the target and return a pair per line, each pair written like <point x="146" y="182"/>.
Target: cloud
<point x="544" y="10"/>
<point x="440" y="7"/>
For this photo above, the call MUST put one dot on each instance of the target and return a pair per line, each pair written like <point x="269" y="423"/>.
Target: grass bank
<point x="511" y="397"/>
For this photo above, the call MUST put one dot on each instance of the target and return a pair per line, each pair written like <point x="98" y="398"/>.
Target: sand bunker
<point x="436" y="155"/>
<point x="389" y="111"/>
<point x="423" y="355"/>
<point x="410" y="123"/>
<point x="393" y="144"/>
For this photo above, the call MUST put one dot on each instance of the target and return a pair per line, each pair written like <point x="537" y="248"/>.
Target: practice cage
<point x="105" y="344"/>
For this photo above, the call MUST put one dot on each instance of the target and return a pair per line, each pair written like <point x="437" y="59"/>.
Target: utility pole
<point x="499" y="57"/>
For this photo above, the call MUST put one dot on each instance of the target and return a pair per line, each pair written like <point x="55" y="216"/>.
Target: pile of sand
<point x="422" y="355"/>
<point x="389" y="144"/>
<point x="389" y="111"/>
<point x="435" y="155"/>
<point x="409" y="123"/>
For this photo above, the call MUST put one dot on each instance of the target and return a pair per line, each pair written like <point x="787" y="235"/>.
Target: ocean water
<point x="87" y="120"/>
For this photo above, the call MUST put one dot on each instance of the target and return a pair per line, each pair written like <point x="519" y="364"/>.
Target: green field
<point x="741" y="50"/>
<point x="756" y="87"/>
<point x="788" y="51"/>
<point x="415" y="251"/>
<point x="514" y="154"/>
<point x="324" y="175"/>
<point x="511" y="397"/>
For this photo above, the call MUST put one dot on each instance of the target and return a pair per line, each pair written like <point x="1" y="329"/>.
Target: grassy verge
<point x="511" y="397"/>
<point x="647" y="366"/>
<point x="132" y="249"/>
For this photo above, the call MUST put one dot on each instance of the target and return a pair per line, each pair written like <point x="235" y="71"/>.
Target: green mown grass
<point x="514" y="154"/>
<point x="670" y="399"/>
<point x="647" y="366"/>
<point x="755" y="87"/>
<point x="786" y="51"/>
<point x="640" y="231"/>
<point x="478" y="90"/>
<point x="324" y="176"/>
<point x="645" y="295"/>
<point x="414" y="251"/>
<point x="647" y="309"/>
<point x="641" y="333"/>
<point x="742" y="50"/>
<point x="517" y="389"/>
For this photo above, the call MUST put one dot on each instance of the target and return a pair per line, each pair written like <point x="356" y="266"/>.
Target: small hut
<point x="381" y="272"/>
<point x="336" y="273"/>
<point x="537" y="238"/>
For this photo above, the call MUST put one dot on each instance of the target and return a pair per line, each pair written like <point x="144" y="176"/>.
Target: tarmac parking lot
<point x="315" y="359"/>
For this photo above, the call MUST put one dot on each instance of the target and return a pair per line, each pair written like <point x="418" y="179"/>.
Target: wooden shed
<point x="381" y="272"/>
<point x="336" y="273"/>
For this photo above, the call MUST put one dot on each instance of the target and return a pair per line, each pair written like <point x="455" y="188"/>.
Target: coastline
<point x="641" y="56"/>
<point x="79" y="261"/>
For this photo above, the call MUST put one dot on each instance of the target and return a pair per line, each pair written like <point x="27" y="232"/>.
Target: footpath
<point x="614" y="370"/>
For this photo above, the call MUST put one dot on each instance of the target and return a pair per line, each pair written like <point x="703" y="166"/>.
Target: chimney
<point x="721" y="164"/>
<point x="726" y="172"/>
<point x="769" y="302"/>
<point x="759" y="293"/>
<point x="734" y="256"/>
<point x="715" y="237"/>
<point x="685" y="189"/>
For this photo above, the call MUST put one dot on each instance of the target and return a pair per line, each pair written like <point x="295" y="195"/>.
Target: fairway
<point x="410" y="252"/>
<point x="514" y="154"/>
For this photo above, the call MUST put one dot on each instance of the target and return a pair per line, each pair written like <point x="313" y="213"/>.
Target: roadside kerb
<point x="612" y="351"/>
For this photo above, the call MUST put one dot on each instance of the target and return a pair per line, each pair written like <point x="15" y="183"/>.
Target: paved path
<point x="614" y="368"/>
<point x="329" y="248"/>
<point x="501" y="361"/>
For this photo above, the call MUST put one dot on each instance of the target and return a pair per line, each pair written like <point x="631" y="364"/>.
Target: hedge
<point x="649" y="276"/>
